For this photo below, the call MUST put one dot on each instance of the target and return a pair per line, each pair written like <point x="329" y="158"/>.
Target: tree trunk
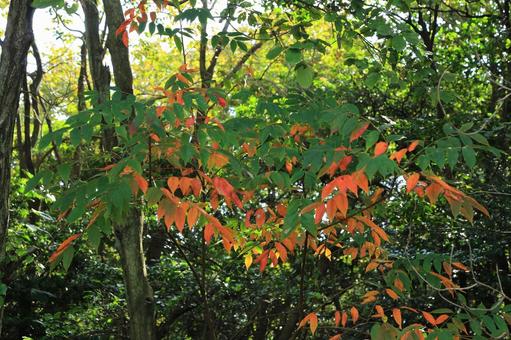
<point x="100" y="72"/>
<point x="138" y="290"/>
<point x="18" y="36"/>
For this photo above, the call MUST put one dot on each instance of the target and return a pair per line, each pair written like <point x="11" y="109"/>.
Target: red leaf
<point x="260" y="217"/>
<point x="380" y="148"/>
<point x="343" y="164"/>
<point x="221" y="101"/>
<point x="356" y="134"/>
<point x="125" y="38"/>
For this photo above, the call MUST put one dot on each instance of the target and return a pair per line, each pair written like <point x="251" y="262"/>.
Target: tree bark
<point x="130" y="235"/>
<point x="138" y="290"/>
<point x="18" y="37"/>
<point x="100" y="72"/>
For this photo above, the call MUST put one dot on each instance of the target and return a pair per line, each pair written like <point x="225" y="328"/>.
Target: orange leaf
<point x="447" y="268"/>
<point x="289" y="167"/>
<point x="354" y="314"/>
<point x="341" y="201"/>
<point x="441" y="319"/>
<point x="396" y="314"/>
<point x="331" y="208"/>
<point x="399" y="284"/>
<point x="413" y="145"/>
<point x="312" y="319"/>
<point x="217" y="160"/>
<point x="154" y="137"/>
<point x="260" y="217"/>
<point x="429" y="318"/>
<point x="108" y="167"/>
<point x="411" y="181"/>
<point x="196" y="185"/>
<point x="433" y="191"/>
<point x="63" y="246"/>
<point x="460" y="266"/>
<point x="182" y="78"/>
<point x="208" y="232"/>
<point x="319" y="213"/>
<point x="380" y="148"/>
<point x="343" y="164"/>
<point x="335" y="337"/>
<point x="361" y="180"/>
<point x="282" y="251"/>
<point x="193" y="216"/>
<point x="141" y="182"/>
<point x="379" y="312"/>
<point x="344" y="319"/>
<point x="337" y="318"/>
<point x="180" y="218"/>
<point x="373" y="226"/>
<point x="173" y="183"/>
<point x="392" y="294"/>
<point x="398" y="155"/>
<point x="356" y="134"/>
<point x="372" y="266"/>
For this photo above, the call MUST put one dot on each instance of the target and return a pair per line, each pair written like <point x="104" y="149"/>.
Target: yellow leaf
<point x="248" y="261"/>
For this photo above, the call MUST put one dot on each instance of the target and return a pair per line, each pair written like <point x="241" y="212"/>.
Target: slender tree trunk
<point x="130" y="235"/>
<point x="138" y="290"/>
<point x="99" y="71"/>
<point x="18" y="36"/>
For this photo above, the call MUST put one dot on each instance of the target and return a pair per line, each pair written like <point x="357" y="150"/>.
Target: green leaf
<point x="469" y="156"/>
<point x="398" y="43"/>
<point x="45" y="3"/>
<point x="452" y="157"/>
<point x="480" y="139"/>
<point x="32" y="182"/>
<point x="304" y="75"/>
<point x="372" y="79"/>
<point x="64" y="171"/>
<point x="293" y="56"/>
<point x="153" y="195"/>
<point x="274" y="52"/>
<point x="94" y="236"/>
<point x="67" y="257"/>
